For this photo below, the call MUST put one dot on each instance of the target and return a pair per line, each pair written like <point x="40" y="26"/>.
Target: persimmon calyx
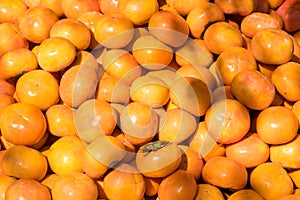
<point x="153" y="146"/>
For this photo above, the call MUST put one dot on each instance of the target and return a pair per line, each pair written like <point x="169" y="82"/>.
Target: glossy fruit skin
<point x="11" y="11"/>
<point x="287" y="76"/>
<point x="245" y="194"/>
<point x="289" y="11"/>
<point x="203" y="15"/>
<point x="233" y="116"/>
<point x="24" y="163"/>
<point x="73" y="9"/>
<point x="179" y="185"/>
<point x="273" y="128"/>
<point x="23" y="124"/>
<point x="158" y="163"/>
<point x="271" y="175"/>
<point x="184" y="7"/>
<point x="225" y="172"/>
<point x="114" y="30"/>
<point x="208" y="191"/>
<point x="36" y="23"/>
<point x="74" y="185"/>
<point x="16" y="62"/>
<point x="287" y="155"/>
<point x="242" y="8"/>
<point x="124" y="182"/>
<point x="27" y="189"/>
<point x="38" y="87"/>
<point x="250" y="151"/>
<point x="169" y="28"/>
<point x="269" y="42"/>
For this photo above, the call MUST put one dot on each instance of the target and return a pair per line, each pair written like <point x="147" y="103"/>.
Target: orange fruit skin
<point x="73" y="9"/>
<point x="271" y="181"/>
<point x="22" y="124"/>
<point x="36" y="23"/>
<point x="12" y="11"/>
<point x="75" y="186"/>
<point x="272" y="128"/>
<point x="179" y="185"/>
<point x="27" y="189"/>
<point x="5" y="182"/>
<point x="183" y="7"/>
<point x="241" y="7"/>
<point x="24" y="162"/>
<point x="225" y="172"/>
<point x="267" y="43"/>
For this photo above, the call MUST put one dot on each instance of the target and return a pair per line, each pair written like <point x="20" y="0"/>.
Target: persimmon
<point x="158" y="159"/>
<point x="296" y="110"/>
<point x="271" y="180"/>
<point x="222" y="35"/>
<point x="38" y="87"/>
<point x="253" y="89"/>
<point x="78" y="84"/>
<point x="285" y="78"/>
<point x="201" y="16"/>
<point x="55" y="54"/>
<point x="169" y="28"/>
<point x="121" y="64"/>
<point x="152" y="185"/>
<point x="139" y="123"/>
<point x="24" y="162"/>
<point x="256" y="21"/>
<point x="150" y="53"/>
<point x="7" y="87"/>
<point x="22" y="124"/>
<point x="94" y="118"/>
<point x="233" y="116"/>
<point x="11" y="11"/>
<point x="124" y="182"/>
<point x="65" y="155"/>
<point x="184" y="7"/>
<point x="233" y="60"/>
<point x="16" y="62"/>
<point x="60" y="120"/>
<point x="272" y="128"/>
<point x="92" y="166"/>
<point x="289" y="12"/>
<point x="208" y="191"/>
<point x="73" y="9"/>
<point x="5" y="182"/>
<point x="54" y="5"/>
<point x="73" y="30"/>
<point x="222" y="92"/>
<point x="287" y="155"/>
<point x="114" y="30"/>
<point x="196" y="98"/>
<point x="27" y="189"/>
<point x="295" y="176"/>
<point x="36" y="23"/>
<point x="5" y="100"/>
<point x="138" y="12"/>
<point x="108" y="150"/>
<point x="75" y="186"/>
<point x="225" y="172"/>
<point x="243" y="8"/>
<point x="49" y="180"/>
<point x="150" y="90"/>
<point x="269" y="42"/>
<point x="178" y="126"/>
<point x="191" y="162"/>
<point x="248" y="194"/>
<point x="111" y="89"/>
<point x="275" y="3"/>
<point x="167" y="75"/>
<point x="250" y="151"/>
<point x="11" y="38"/>
<point x="107" y="6"/>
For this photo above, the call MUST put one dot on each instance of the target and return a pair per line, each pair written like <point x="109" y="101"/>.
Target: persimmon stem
<point x="153" y="146"/>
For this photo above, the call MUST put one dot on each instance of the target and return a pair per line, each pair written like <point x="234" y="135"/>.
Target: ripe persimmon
<point x="179" y="185"/>
<point x="27" y="189"/>
<point x="5" y="100"/>
<point x="12" y="11"/>
<point x="225" y="172"/>
<point x="184" y="7"/>
<point x="243" y="8"/>
<point x="5" y="182"/>
<point x="248" y="194"/>
<point x="75" y="186"/>
<point x="208" y="191"/>
<point x="73" y="9"/>
<point x="54" y="5"/>
<point x="296" y="110"/>
<point x="36" y="23"/>
<point x="38" y="87"/>
<point x="24" y="162"/>
<point x="107" y="6"/>
<point x="23" y="124"/>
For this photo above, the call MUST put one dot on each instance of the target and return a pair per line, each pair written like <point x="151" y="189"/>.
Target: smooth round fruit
<point x="12" y="11"/>
<point x="22" y="124"/>
<point x="24" y="163"/>
<point x="225" y="172"/>
<point x="72" y="9"/>
<point x="240" y="7"/>
<point x="208" y="191"/>
<point x="272" y="46"/>
<point x="248" y="194"/>
<point x="271" y="181"/>
<point x="179" y="185"/>
<point x="273" y="128"/>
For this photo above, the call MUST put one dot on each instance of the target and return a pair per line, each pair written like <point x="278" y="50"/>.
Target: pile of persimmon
<point x="162" y="100"/>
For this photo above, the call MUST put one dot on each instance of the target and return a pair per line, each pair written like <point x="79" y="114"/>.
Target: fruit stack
<point x="153" y="99"/>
